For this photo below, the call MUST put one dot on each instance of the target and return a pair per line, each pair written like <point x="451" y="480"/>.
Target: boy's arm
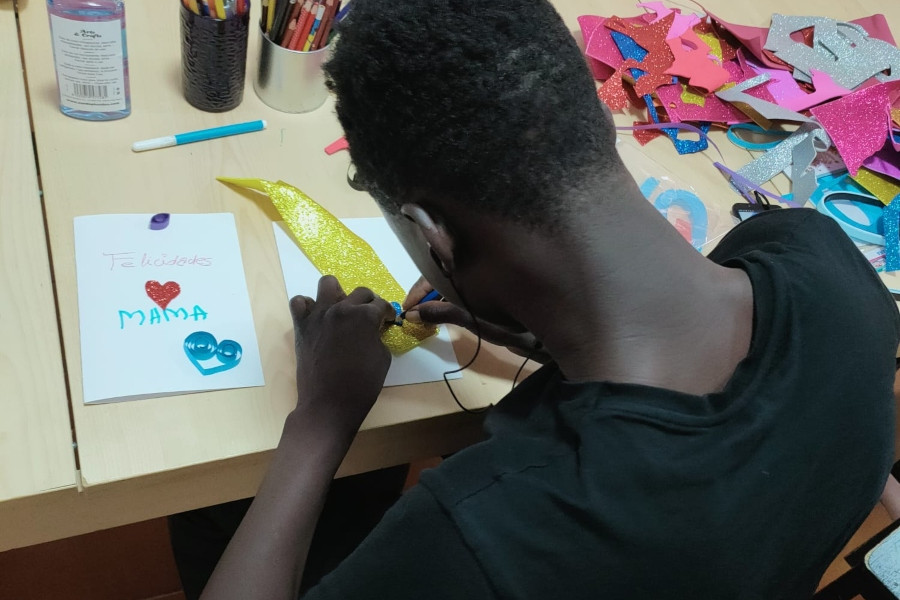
<point x="266" y="556"/>
<point x="341" y="366"/>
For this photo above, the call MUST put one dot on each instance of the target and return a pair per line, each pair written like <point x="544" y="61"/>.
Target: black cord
<point x="530" y="355"/>
<point x="471" y="360"/>
<point x="537" y="347"/>
<point x="522" y="366"/>
<point x="462" y="368"/>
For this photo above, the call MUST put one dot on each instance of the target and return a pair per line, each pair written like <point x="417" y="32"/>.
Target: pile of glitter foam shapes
<point x="824" y="96"/>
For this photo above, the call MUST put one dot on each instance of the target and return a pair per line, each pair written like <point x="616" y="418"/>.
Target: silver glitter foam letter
<point x="843" y="50"/>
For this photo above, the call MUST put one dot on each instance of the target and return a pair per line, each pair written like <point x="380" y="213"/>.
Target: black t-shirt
<point x="604" y="490"/>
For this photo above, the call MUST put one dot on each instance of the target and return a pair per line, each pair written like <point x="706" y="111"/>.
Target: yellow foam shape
<point x="335" y="250"/>
<point x="881" y="186"/>
<point x="710" y="39"/>
<point x="689" y="97"/>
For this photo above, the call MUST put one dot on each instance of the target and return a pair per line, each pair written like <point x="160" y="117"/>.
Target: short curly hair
<point x="484" y="102"/>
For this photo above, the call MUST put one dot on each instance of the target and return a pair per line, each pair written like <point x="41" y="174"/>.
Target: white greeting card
<point x="162" y="311"/>
<point x="426" y="362"/>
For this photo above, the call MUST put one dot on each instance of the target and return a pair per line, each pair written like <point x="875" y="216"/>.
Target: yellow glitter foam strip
<point x="335" y="250"/>
<point x="711" y="40"/>
<point x="881" y="186"/>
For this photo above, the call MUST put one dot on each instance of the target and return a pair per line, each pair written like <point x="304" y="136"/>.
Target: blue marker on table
<point x="198" y="136"/>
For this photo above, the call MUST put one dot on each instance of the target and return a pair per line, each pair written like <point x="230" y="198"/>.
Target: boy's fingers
<point x="386" y="312"/>
<point x="441" y="312"/>
<point x="300" y="307"/>
<point x="418" y="291"/>
<point x="437" y="313"/>
<point x="330" y="291"/>
<point x="361" y="295"/>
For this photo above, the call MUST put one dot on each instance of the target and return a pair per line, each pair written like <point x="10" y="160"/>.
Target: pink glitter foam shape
<point x="858" y="123"/>
<point x="825" y="89"/>
<point x="695" y="64"/>
<point x="589" y="25"/>
<point x="681" y="23"/>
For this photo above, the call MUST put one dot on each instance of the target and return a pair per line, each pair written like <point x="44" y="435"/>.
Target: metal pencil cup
<point x="289" y="80"/>
<point x="213" y="60"/>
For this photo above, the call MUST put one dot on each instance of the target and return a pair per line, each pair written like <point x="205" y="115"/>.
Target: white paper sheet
<point x="428" y="361"/>
<point x="135" y="321"/>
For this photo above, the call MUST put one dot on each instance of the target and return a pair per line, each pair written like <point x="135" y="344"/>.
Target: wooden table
<point x="152" y="457"/>
<point x="35" y="436"/>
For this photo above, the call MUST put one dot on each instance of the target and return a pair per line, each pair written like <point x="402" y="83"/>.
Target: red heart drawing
<point x="161" y="293"/>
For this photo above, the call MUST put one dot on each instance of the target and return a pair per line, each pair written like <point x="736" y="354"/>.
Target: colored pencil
<point x="295" y="39"/>
<point x="312" y="33"/>
<point x="263" y="19"/>
<point x="326" y="36"/>
<point x="325" y="27"/>
<point x="302" y="18"/>
<point x="273" y="5"/>
<point x="278" y="27"/>
<point x="307" y="26"/>
<point x="288" y="34"/>
<point x="343" y="13"/>
<point x="279" y="6"/>
<point x="220" y="9"/>
<point x="296" y="8"/>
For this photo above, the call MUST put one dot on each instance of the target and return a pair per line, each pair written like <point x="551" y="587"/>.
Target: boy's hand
<point x="341" y="361"/>
<point x="438" y="312"/>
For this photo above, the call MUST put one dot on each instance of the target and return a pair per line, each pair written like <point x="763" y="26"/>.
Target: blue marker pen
<point x="432" y="295"/>
<point x="198" y="136"/>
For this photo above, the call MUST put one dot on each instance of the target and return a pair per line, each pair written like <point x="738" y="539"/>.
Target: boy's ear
<point x="438" y="238"/>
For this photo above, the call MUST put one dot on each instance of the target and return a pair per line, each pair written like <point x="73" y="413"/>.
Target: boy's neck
<point x="632" y="301"/>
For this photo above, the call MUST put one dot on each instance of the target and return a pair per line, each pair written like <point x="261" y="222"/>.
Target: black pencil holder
<point x="213" y="60"/>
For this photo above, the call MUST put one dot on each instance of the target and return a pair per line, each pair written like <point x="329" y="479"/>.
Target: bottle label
<point x="89" y="64"/>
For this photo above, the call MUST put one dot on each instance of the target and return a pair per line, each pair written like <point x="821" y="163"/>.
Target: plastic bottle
<point x="91" y="58"/>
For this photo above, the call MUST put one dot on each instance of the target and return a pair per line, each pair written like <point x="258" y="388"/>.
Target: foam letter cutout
<point x="762" y="112"/>
<point x="681" y="23"/>
<point x="797" y="151"/>
<point x="843" y="50"/>
<point x="695" y="64"/>
<point x="654" y="56"/>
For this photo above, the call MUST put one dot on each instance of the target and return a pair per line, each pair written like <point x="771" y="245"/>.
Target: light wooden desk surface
<point x="35" y="436"/>
<point x="152" y="457"/>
